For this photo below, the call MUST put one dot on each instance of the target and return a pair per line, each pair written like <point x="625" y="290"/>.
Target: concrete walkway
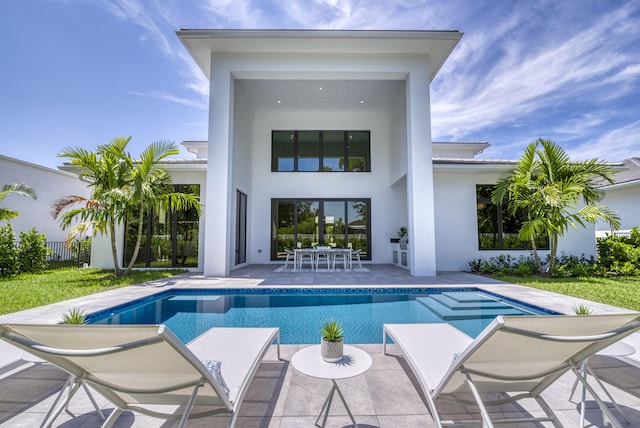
<point x="386" y="396"/>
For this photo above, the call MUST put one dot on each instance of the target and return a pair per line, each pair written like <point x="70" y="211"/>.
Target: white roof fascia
<point x="438" y="45"/>
<point x="44" y="168"/>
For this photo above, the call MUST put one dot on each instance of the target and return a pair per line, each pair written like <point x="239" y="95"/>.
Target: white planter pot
<point x="332" y="351"/>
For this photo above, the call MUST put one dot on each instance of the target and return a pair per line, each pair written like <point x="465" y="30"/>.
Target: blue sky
<point x="81" y="72"/>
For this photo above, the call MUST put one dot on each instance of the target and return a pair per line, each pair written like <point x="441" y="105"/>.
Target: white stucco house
<point x="49" y="184"/>
<point x="325" y="136"/>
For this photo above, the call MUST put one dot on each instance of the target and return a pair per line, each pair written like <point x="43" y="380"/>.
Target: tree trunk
<point x="136" y="249"/>
<point x="114" y="250"/>
<point x="536" y="256"/>
<point x="553" y="253"/>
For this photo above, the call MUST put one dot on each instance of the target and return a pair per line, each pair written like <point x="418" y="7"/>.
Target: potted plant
<point x="332" y="344"/>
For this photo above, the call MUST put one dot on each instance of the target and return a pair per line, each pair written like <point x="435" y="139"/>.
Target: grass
<point x="622" y="291"/>
<point x="32" y="290"/>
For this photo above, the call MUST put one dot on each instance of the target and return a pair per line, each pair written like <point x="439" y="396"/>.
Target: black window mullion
<point x="345" y="167"/>
<point x="321" y="154"/>
<point x="295" y="151"/>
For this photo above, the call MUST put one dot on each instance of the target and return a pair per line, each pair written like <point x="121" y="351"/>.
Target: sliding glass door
<point x="304" y="223"/>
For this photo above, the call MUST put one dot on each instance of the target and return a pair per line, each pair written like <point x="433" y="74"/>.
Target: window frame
<point x="321" y="231"/>
<point x="500" y="216"/>
<point x="321" y="150"/>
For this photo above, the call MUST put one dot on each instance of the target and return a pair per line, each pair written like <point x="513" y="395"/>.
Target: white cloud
<point x="233" y="13"/>
<point x="614" y="145"/>
<point x="139" y="13"/>
<point x="172" y="98"/>
<point x="528" y="74"/>
<point x="581" y="125"/>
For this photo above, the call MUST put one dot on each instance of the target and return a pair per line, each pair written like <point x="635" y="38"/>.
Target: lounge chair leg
<point x="486" y="420"/>
<point x="93" y="401"/>
<point x="607" y="417"/>
<point x="189" y="406"/>
<point x="53" y="414"/>
<point x="113" y="417"/>
<point x="68" y="384"/>
<point x="597" y="379"/>
<point x="545" y="407"/>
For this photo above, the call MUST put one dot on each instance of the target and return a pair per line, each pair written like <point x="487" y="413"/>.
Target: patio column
<point x="420" y="195"/>
<point x="218" y="194"/>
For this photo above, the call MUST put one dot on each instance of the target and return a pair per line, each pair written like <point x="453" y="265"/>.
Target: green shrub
<point x="8" y="257"/>
<point x="32" y="252"/>
<point x="620" y="254"/>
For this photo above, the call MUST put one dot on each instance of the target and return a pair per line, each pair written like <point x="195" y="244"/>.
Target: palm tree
<point x="151" y="188"/>
<point x="17" y="188"/>
<point x="555" y="193"/>
<point x="121" y="188"/>
<point x="108" y="170"/>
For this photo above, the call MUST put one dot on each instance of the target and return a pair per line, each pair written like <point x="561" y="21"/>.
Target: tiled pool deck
<point x="385" y="396"/>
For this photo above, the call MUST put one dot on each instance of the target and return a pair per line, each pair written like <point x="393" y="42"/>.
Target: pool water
<point x="299" y="313"/>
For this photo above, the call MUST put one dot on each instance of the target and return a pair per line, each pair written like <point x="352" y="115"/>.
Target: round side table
<point x="354" y="362"/>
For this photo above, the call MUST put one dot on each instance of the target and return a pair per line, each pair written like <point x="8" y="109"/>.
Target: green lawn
<point x="623" y="291"/>
<point x="32" y="290"/>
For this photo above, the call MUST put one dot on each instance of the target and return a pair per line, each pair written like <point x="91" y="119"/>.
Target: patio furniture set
<point x="135" y="367"/>
<point x="327" y="258"/>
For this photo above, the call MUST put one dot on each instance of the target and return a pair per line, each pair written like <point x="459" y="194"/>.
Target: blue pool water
<point x="299" y="312"/>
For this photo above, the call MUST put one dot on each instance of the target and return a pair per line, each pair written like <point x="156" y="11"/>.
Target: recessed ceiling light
<point x="361" y="101"/>
<point x="320" y="88"/>
<point x="279" y="102"/>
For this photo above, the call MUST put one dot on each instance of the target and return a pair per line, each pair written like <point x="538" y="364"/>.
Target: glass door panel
<point x="333" y="226"/>
<point x="307" y="218"/>
<point x="357" y="217"/>
<point x="284" y="227"/>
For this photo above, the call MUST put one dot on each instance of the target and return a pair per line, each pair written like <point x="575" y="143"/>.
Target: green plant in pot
<point x="332" y="344"/>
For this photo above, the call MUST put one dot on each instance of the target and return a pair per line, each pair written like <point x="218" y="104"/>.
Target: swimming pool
<point x="299" y="312"/>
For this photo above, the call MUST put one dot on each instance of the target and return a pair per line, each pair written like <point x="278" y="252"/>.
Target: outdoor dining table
<point x="315" y="253"/>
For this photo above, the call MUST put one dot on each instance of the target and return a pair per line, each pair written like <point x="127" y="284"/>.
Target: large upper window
<point x="342" y="151"/>
<point x="497" y="227"/>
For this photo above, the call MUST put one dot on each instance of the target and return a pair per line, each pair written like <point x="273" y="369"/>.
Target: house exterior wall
<point x="625" y="201"/>
<point x="243" y="173"/>
<point x="456" y="220"/>
<point x="228" y="158"/>
<point x="387" y="214"/>
<point x="49" y="185"/>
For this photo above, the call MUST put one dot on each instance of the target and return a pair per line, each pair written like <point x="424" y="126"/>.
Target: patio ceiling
<point x="321" y="95"/>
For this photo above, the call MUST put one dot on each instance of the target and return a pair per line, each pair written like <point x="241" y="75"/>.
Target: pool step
<point x="468" y="301"/>
<point x="449" y="309"/>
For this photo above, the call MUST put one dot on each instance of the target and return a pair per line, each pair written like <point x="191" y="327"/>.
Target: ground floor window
<point x="497" y="227"/>
<point x="170" y="238"/>
<point x="304" y="223"/>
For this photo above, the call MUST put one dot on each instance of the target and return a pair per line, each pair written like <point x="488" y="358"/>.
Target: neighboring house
<point x="325" y="136"/>
<point x="624" y="197"/>
<point x="49" y="185"/>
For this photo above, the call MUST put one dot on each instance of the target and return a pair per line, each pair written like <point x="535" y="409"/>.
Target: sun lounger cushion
<point x="213" y="367"/>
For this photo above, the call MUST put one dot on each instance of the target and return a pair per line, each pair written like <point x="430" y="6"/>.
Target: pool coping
<point x="104" y="300"/>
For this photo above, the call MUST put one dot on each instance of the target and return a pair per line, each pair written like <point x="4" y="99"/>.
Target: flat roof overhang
<point x="437" y="45"/>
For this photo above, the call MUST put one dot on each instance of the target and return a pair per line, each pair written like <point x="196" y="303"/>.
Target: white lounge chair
<point x="136" y="366"/>
<point x="519" y="356"/>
